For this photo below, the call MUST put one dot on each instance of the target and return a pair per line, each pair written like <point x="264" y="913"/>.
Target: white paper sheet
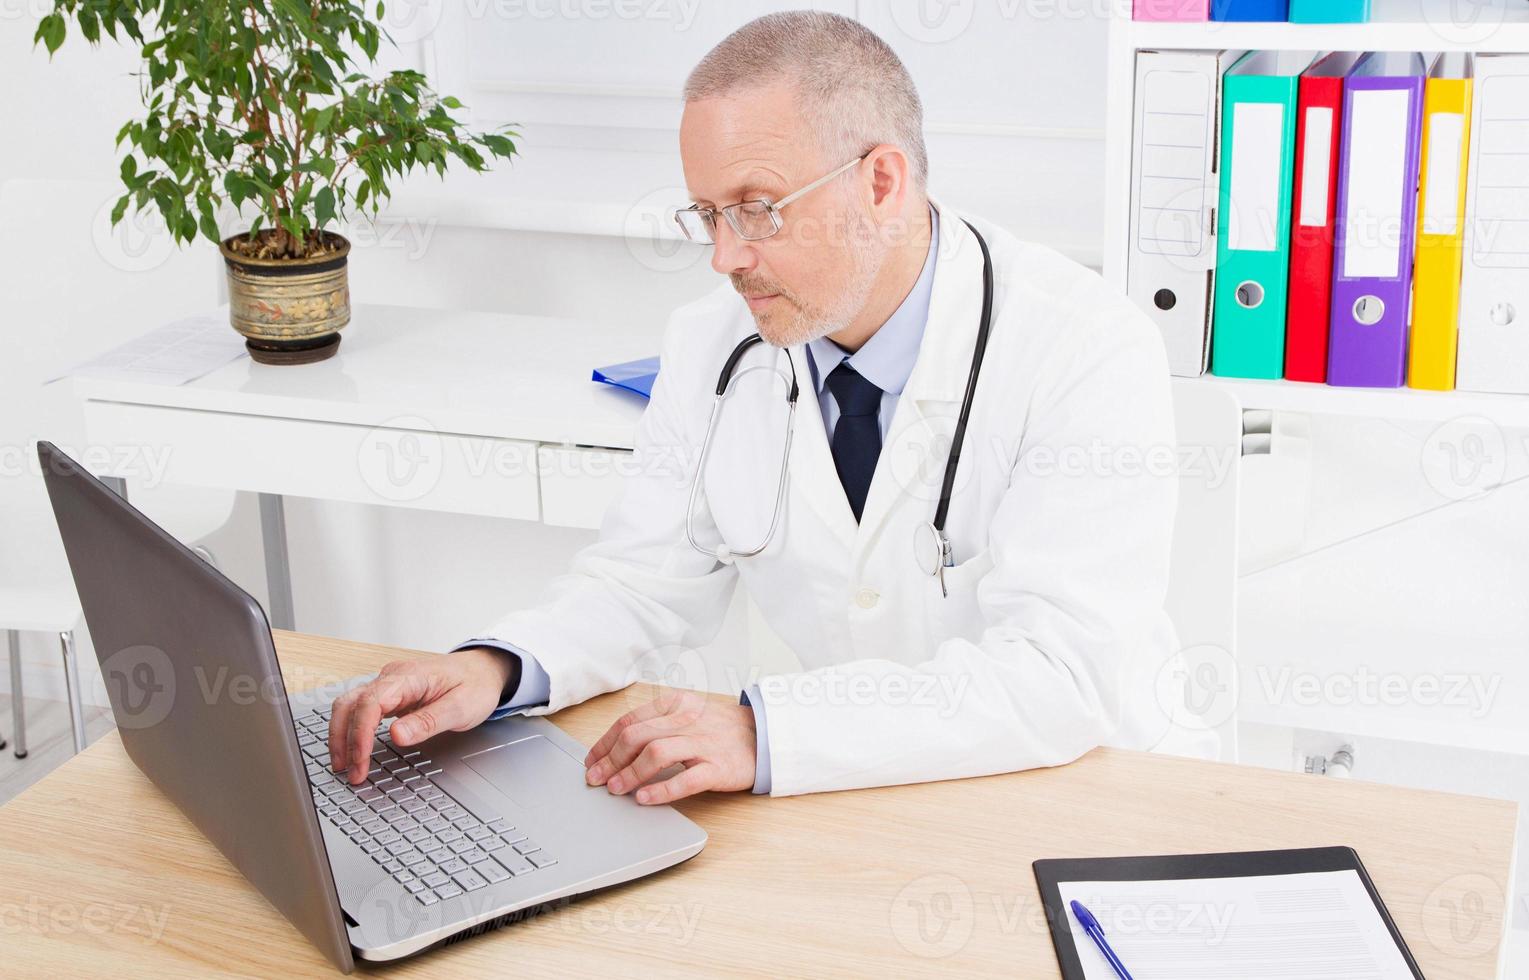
<point x="1322" y="924"/>
<point x="170" y="355"/>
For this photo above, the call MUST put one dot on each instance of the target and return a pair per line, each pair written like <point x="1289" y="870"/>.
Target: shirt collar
<point x="886" y="360"/>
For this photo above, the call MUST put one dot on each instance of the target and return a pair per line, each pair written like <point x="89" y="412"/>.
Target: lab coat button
<point x="867" y="598"/>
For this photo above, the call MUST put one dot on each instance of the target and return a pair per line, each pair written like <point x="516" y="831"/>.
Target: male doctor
<point x="1045" y="636"/>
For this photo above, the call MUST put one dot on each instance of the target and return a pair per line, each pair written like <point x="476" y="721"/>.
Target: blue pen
<point x="1091" y="926"/>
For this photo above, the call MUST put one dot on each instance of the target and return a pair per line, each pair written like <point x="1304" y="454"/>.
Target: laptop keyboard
<point x="429" y="842"/>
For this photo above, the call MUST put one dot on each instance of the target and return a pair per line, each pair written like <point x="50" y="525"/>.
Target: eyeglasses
<point x="750" y="220"/>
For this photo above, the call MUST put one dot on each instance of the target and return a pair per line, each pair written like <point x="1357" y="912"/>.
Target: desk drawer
<point x="578" y="484"/>
<point x="403" y="464"/>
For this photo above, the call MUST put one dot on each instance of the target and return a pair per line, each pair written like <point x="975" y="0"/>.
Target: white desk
<point x="472" y="413"/>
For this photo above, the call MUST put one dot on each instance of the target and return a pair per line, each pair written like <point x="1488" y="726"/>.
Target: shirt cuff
<point x="535" y="687"/>
<point x="752" y="698"/>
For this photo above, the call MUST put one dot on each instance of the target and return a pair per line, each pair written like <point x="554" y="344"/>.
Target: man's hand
<point x="452" y="693"/>
<point x="714" y="742"/>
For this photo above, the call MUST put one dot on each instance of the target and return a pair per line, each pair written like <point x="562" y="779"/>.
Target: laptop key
<point x="459" y="846"/>
<point x="399" y="847"/>
<point x="371" y="848"/>
<point x="490" y="844"/>
<point x="439" y="855"/>
<point x="427" y="898"/>
<point x="448" y="891"/>
<point x="478" y="833"/>
<point x="473" y="856"/>
<point x="413" y="805"/>
<point x="414" y="887"/>
<point x="391" y="867"/>
<point x="453" y="866"/>
<point x="540" y="859"/>
<point x="527" y="846"/>
<point x="453" y="813"/>
<point x="499" y="826"/>
<point x="416" y="835"/>
<point x="491" y="871"/>
<point x="447" y="836"/>
<point x="435" y="825"/>
<point x="404" y="877"/>
<point x="388" y="837"/>
<point x="411" y="859"/>
<point x="436" y="879"/>
<point x="469" y="880"/>
<point x="514" y="863"/>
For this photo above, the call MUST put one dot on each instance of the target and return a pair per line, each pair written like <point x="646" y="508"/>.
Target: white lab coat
<point x="1053" y="636"/>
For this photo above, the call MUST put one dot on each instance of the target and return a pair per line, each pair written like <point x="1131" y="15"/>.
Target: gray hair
<point x="851" y="88"/>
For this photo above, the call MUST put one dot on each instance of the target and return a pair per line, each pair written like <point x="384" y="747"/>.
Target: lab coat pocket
<point x="956" y="613"/>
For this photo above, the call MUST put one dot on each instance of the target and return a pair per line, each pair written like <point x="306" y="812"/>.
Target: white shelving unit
<point x="1398" y="25"/>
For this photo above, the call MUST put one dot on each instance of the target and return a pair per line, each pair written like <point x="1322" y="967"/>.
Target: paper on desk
<point x="170" y="355"/>
<point x="1259" y="927"/>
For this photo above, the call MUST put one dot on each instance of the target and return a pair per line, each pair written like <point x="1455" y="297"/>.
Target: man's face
<point x="812" y="277"/>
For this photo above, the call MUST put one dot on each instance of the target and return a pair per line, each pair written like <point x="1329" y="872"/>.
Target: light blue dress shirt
<point x="886" y="360"/>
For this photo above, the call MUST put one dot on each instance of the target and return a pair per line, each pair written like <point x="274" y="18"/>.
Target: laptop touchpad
<point x="533" y="772"/>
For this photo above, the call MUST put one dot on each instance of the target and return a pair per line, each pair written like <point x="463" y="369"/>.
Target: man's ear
<point x="890" y="176"/>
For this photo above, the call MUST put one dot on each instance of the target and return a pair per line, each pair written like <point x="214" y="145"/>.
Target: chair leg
<point x="72" y="690"/>
<point x="18" y="703"/>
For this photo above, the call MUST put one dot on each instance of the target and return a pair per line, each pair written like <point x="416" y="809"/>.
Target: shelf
<point x="1508" y="411"/>
<point x="1400" y="25"/>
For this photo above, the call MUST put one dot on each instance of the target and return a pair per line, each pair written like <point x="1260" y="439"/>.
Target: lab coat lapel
<point x="912" y="462"/>
<point x="812" y="463"/>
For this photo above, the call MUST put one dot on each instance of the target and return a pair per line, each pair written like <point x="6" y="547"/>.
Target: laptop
<point x="463" y="833"/>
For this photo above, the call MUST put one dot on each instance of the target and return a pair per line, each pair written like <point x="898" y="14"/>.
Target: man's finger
<point x="660" y="754"/>
<point x="641" y="713"/>
<point x="339" y="716"/>
<point x="449" y="713"/>
<point x="629" y="742"/>
<point x="697" y="779"/>
<point x="381" y="697"/>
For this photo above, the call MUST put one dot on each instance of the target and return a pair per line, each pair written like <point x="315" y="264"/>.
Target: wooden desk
<point x="99" y="875"/>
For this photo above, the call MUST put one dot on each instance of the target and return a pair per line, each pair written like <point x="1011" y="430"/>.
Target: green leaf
<point x="120" y="208"/>
<point x="50" y="32"/>
<point x="323" y="206"/>
<point x="129" y="170"/>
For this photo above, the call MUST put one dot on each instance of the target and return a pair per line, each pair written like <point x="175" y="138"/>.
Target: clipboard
<point x="1052" y="873"/>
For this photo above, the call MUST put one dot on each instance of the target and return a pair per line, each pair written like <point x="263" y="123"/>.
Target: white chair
<point x="43" y="610"/>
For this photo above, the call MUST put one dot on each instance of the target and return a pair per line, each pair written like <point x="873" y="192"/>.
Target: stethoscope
<point x="931" y="545"/>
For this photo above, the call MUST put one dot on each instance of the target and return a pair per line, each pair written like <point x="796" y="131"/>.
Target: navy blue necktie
<point x="857" y="434"/>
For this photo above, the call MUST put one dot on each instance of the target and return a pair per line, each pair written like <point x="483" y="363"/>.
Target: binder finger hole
<point x="1368" y="310"/>
<point x="1250" y="295"/>
<point x="1164" y="299"/>
<point x="1503" y="314"/>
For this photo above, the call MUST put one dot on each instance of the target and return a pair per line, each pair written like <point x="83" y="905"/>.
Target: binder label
<point x="1257" y="129"/>
<point x="1174" y="162"/>
<point x="1377" y="148"/>
<point x="1316" y="167"/>
<point x="1501" y="235"/>
<point x="1441" y="199"/>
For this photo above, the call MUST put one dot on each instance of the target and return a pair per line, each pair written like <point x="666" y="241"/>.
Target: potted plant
<point x="258" y="106"/>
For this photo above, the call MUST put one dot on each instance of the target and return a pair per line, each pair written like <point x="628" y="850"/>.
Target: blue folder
<point x="1329" y="11"/>
<point x="1259" y="10"/>
<point x="632" y="375"/>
